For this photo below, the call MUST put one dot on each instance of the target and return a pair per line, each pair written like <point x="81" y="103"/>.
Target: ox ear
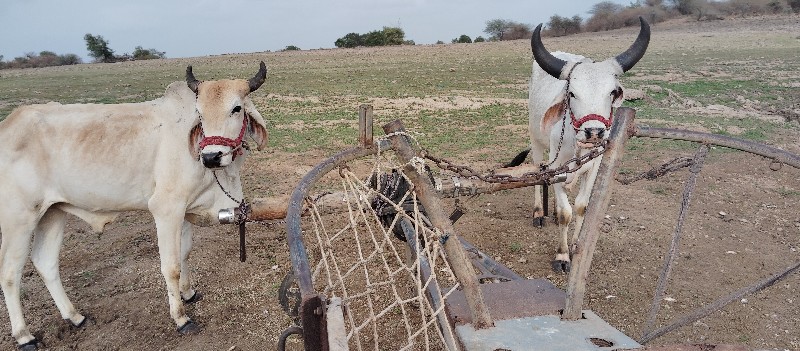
<point x="195" y="135"/>
<point x="553" y="115"/>
<point x="257" y="127"/>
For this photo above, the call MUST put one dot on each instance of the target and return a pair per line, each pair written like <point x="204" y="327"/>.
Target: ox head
<point x="227" y="116"/>
<point x="592" y="90"/>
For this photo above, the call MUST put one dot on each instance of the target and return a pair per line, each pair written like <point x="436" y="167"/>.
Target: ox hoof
<point x="538" y="222"/>
<point x="561" y="266"/>
<point x="196" y="297"/>
<point x="79" y="324"/>
<point x="32" y="345"/>
<point x="190" y="328"/>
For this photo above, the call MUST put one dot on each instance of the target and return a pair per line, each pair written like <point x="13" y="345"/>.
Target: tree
<point x="350" y="40"/>
<point x="69" y="59"/>
<point x="517" y="31"/>
<point x="375" y="38"/>
<point x="393" y="36"/>
<point x="795" y="5"/>
<point x="463" y="39"/>
<point x="605" y="8"/>
<point x="147" y="54"/>
<point x="98" y="48"/>
<point x="479" y="39"/>
<point x="684" y="7"/>
<point x="496" y="28"/>
<point x="291" y="48"/>
<point x="560" y="26"/>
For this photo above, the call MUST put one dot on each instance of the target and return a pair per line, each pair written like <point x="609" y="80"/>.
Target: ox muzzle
<point x="215" y="149"/>
<point x="591" y="129"/>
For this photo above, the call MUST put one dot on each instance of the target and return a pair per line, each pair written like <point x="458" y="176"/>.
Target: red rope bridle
<point x="234" y="144"/>
<point x="577" y="123"/>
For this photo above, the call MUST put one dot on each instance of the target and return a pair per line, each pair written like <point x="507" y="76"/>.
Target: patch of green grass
<point x="787" y="192"/>
<point x="516" y="247"/>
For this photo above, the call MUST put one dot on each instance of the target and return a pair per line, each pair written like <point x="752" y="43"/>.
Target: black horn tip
<point x="259" y="78"/>
<point x="191" y="81"/>
<point x="630" y="57"/>
<point x="549" y="63"/>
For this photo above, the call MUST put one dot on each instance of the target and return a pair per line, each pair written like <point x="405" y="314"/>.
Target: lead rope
<point x="241" y="218"/>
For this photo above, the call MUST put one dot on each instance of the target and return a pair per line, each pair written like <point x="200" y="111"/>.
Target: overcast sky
<point x="184" y="28"/>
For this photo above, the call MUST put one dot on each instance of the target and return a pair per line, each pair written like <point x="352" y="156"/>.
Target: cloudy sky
<point x="204" y="27"/>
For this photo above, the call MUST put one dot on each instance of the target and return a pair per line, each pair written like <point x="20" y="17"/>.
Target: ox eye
<point x="236" y="109"/>
<point x="616" y="93"/>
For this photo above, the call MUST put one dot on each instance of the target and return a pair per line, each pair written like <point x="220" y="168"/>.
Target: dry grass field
<point x="468" y="103"/>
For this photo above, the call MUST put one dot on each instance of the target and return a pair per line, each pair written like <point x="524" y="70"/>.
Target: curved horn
<point x="629" y="58"/>
<point x="259" y="78"/>
<point x="549" y="63"/>
<point x="191" y="81"/>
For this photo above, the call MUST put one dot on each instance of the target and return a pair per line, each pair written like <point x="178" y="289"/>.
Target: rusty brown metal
<point x="456" y="255"/>
<point x="365" y="133"/>
<point x="510" y="300"/>
<point x="314" y="325"/>
<point x="767" y="151"/>
<point x="590" y="231"/>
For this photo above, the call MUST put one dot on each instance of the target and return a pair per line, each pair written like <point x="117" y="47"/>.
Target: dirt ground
<point x="743" y="226"/>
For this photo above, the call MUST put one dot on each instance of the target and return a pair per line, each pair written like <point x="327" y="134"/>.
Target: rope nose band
<point x="234" y="144"/>
<point x="576" y="124"/>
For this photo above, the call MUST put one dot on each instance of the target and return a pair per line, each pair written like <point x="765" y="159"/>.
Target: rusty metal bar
<point x="456" y="255"/>
<point x="590" y="231"/>
<point x="669" y="259"/>
<point x="773" y="153"/>
<point x="365" y="126"/>
<point x="431" y="285"/>
<point x="294" y="233"/>
<point x="722" y="302"/>
<point x="275" y="208"/>
<point x="488" y="263"/>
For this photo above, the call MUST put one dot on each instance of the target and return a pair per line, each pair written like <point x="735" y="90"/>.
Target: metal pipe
<point x="778" y="155"/>
<point x="590" y="231"/>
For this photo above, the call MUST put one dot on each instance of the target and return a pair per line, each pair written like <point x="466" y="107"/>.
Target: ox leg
<point x="564" y="217"/>
<point x="47" y="240"/>
<point x="17" y="229"/>
<point x="169" y="231"/>
<point x="537" y="157"/>
<point x="582" y="199"/>
<point x="188" y="294"/>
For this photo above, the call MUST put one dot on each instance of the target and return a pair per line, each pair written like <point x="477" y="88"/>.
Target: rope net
<point x="392" y="291"/>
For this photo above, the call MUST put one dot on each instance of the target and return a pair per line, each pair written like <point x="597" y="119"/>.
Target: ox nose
<point x="594" y="133"/>
<point x="212" y="159"/>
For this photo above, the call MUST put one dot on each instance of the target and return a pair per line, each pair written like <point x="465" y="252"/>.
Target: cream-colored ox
<point x="571" y="103"/>
<point x="171" y="156"/>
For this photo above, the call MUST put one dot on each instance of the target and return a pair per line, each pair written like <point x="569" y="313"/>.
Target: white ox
<point x="571" y="103"/>
<point x="94" y="161"/>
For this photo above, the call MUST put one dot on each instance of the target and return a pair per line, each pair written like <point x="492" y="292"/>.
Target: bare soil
<point x="743" y="226"/>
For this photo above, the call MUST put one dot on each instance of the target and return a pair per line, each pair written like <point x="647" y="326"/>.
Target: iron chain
<point x="546" y="174"/>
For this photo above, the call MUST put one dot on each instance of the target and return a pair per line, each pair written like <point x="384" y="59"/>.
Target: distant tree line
<point x="607" y="15"/>
<point x="384" y="37"/>
<point x="42" y="59"/>
<point x="98" y="49"/>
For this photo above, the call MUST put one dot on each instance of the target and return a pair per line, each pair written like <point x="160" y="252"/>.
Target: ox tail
<point x="519" y="159"/>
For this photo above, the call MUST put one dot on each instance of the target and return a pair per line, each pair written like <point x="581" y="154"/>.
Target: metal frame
<point x="312" y="306"/>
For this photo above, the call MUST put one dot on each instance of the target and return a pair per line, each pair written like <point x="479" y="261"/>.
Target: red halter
<point x="234" y="144"/>
<point x="577" y="123"/>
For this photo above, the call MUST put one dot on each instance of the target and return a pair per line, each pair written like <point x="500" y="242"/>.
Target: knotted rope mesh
<point x="384" y="282"/>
